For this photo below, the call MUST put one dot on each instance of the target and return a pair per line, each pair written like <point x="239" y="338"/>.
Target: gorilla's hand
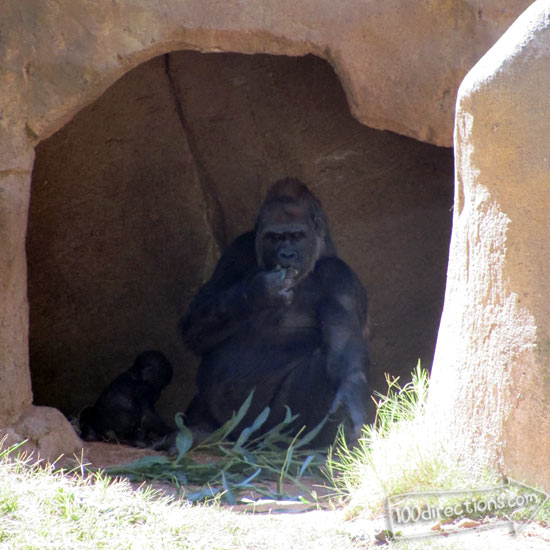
<point x="271" y="288"/>
<point x="350" y="400"/>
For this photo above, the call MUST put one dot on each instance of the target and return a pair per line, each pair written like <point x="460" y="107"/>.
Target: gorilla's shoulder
<point x="241" y="251"/>
<point x="333" y="267"/>
<point x="245" y="243"/>
<point x="337" y="275"/>
<point x="237" y="259"/>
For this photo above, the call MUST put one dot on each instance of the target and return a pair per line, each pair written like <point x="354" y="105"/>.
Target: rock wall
<point x="118" y="240"/>
<point x="133" y="198"/>
<point x="15" y="382"/>
<point x="490" y="394"/>
<point x="400" y="62"/>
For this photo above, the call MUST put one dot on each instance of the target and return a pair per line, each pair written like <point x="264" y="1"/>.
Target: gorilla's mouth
<point x="287" y="271"/>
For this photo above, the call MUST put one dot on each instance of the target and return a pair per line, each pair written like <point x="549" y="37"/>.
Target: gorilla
<point x="282" y="315"/>
<point x="125" y="410"/>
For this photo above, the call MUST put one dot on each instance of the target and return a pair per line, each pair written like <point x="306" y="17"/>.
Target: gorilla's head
<point x="291" y="229"/>
<point x="153" y="367"/>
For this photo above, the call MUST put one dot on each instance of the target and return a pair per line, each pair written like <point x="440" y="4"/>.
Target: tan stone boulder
<point x="490" y="393"/>
<point x="46" y="433"/>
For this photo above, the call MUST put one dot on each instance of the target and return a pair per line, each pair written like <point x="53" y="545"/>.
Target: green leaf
<point x="276" y="434"/>
<point x="246" y="482"/>
<point x="256" y="425"/>
<point x="4" y="453"/>
<point x="145" y="464"/>
<point x="227" y="491"/>
<point x="310" y="436"/>
<point x="305" y="464"/>
<point x="180" y="477"/>
<point x="289" y="417"/>
<point x="201" y="494"/>
<point x="184" y="439"/>
<point x="221" y="433"/>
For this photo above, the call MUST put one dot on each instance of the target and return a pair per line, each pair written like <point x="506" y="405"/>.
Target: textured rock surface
<point x="400" y="62"/>
<point x="15" y="383"/>
<point x="47" y="432"/>
<point x="118" y="241"/>
<point x="119" y="236"/>
<point x="491" y="379"/>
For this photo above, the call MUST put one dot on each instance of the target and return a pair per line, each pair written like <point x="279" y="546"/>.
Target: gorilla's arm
<point x="342" y="314"/>
<point x="215" y="312"/>
<point x="152" y="424"/>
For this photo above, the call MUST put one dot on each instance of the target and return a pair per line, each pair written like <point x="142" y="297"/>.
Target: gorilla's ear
<point x="258" y="245"/>
<point x="326" y="248"/>
<point x="320" y="225"/>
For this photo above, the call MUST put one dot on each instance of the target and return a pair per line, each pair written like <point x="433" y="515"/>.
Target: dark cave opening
<point x="133" y="199"/>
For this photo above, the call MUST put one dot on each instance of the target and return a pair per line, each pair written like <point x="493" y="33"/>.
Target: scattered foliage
<point x="239" y="465"/>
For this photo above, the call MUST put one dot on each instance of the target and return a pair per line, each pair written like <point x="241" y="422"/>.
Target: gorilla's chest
<point x="294" y="322"/>
<point x="293" y="318"/>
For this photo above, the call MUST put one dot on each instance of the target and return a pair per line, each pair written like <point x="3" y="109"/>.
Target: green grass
<point x="399" y="454"/>
<point x="395" y="454"/>
<point x="42" y="509"/>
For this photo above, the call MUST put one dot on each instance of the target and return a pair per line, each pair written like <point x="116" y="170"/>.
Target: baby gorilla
<point x="125" y="410"/>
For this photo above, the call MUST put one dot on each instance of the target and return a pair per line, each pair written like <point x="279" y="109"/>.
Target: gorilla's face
<point x="291" y="246"/>
<point x="291" y="230"/>
<point x="153" y="367"/>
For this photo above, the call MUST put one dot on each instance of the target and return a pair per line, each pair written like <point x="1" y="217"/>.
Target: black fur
<point x="125" y="410"/>
<point x="284" y="315"/>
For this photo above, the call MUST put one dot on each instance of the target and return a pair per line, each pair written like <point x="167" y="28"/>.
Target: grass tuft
<point x="396" y="454"/>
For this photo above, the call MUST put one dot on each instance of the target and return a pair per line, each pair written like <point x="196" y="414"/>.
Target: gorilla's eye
<point x="271" y="236"/>
<point x="298" y="235"/>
